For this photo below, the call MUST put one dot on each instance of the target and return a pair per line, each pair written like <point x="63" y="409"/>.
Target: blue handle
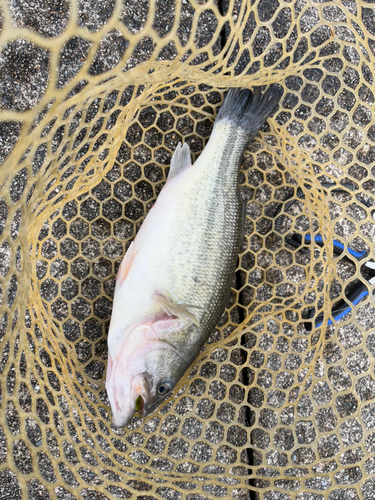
<point x="338" y="245"/>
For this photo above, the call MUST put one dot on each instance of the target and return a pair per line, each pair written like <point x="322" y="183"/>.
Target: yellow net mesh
<point x="95" y="96"/>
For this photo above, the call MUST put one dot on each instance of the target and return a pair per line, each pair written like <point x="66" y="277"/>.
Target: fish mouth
<point x="119" y="419"/>
<point x="146" y="406"/>
<point x="141" y="394"/>
<point x="140" y="406"/>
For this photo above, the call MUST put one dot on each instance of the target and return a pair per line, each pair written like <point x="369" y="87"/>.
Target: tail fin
<point x="249" y="110"/>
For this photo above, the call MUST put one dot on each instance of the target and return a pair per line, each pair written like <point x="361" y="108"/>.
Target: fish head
<point x="143" y="372"/>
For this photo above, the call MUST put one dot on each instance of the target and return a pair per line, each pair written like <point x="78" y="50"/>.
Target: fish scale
<point x="176" y="277"/>
<point x="218" y="236"/>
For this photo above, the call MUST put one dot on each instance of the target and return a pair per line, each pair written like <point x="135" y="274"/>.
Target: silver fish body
<point x="174" y="281"/>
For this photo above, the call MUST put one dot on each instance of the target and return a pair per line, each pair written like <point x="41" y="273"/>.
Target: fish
<point x="175" y="278"/>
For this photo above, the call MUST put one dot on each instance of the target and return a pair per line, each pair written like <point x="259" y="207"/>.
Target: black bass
<point x="175" y="278"/>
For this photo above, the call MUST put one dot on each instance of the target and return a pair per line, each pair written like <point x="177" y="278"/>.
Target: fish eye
<point x="164" y="387"/>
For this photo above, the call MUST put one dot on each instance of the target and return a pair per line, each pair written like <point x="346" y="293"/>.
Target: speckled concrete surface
<point x="24" y="72"/>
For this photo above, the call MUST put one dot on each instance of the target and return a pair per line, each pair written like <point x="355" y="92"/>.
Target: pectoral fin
<point x="126" y="263"/>
<point x="179" y="310"/>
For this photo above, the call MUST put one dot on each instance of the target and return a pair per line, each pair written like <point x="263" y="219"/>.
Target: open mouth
<point x="140" y="405"/>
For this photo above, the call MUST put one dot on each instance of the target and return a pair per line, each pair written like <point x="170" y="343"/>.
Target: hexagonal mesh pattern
<point x="95" y="97"/>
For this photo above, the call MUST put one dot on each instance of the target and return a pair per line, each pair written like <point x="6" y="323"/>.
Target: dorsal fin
<point x="181" y="159"/>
